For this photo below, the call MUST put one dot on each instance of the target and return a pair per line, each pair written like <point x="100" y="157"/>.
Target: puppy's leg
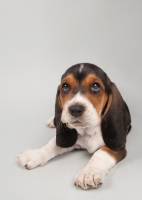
<point x="32" y="158"/>
<point x="101" y="162"/>
<point x="50" y="122"/>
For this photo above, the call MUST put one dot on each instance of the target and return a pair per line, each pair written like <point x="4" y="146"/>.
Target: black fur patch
<point x="65" y="137"/>
<point x="116" y="122"/>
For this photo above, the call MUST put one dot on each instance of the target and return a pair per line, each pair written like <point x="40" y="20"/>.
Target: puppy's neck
<point x="88" y="130"/>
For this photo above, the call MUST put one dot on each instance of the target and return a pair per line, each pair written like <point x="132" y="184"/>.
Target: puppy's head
<point x="87" y="98"/>
<point x="83" y="94"/>
<point x="81" y="101"/>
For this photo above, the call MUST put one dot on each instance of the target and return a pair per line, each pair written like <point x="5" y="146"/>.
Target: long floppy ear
<point x="65" y="137"/>
<point x="116" y="120"/>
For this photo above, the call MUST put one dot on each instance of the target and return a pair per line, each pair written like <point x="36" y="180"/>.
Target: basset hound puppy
<point x="90" y="114"/>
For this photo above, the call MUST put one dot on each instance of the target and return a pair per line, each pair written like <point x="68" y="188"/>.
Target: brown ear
<point x="65" y="137"/>
<point x="116" y="119"/>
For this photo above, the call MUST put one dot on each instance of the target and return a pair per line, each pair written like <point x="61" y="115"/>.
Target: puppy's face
<point x="83" y="96"/>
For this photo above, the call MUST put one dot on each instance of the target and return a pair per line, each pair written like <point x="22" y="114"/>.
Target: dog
<point x="90" y="114"/>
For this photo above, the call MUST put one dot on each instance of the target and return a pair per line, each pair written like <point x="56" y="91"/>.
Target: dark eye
<point x="65" y="87"/>
<point x="95" y="87"/>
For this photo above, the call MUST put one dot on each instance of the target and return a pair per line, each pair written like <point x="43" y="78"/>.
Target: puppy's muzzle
<point x="76" y="110"/>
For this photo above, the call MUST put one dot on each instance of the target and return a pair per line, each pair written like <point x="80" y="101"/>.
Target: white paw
<point x="32" y="158"/>
<point x="50" y="122"/>
<point x="89" y="178"/>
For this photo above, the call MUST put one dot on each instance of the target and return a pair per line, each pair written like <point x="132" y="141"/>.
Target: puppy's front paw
<point x="50" y="122"/>
<point x="89" y="178"/>
<point x="32" y="158"/>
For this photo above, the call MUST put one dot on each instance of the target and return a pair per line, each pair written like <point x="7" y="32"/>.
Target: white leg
<point x="50" y="122"/>
<point x="95" y="171"/>
<point x="32" y="158"/>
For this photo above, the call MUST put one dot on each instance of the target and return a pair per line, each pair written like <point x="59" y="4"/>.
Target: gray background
<point x="39" y="40"/>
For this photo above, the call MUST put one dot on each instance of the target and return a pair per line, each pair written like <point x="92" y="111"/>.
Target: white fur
<point x="50" y="122"/>
<point x="33" y="158"/>
<point x="95" y="171"/>
<point x="81" y="68"/>
<point x="91" y="142"/>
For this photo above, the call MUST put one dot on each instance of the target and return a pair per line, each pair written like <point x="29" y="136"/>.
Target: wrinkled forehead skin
<point x="80" y="72"/>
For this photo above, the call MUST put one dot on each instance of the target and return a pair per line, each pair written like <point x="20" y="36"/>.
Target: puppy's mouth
<point x="77" y="122"/>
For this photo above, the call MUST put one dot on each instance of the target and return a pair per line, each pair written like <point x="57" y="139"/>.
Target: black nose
<point x="76" y="110"/>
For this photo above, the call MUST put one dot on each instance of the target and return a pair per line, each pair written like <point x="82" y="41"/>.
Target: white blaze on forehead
<point x="81" y="68"/>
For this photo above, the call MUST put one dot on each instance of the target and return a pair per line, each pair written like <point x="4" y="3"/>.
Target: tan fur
<point x="118" y="154"/>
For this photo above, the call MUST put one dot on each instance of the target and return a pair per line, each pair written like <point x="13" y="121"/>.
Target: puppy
<point x="90" y="114"/>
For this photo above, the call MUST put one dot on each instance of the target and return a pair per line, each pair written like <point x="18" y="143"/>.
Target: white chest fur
<point x="90" y="139"/>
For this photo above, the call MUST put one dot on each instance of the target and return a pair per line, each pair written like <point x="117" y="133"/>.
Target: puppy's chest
<point x="92" y="141"/>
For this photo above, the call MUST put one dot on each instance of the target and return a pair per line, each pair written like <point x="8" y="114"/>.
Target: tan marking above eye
<point x="90" y="79"/>
<point x="70" y="80"/>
